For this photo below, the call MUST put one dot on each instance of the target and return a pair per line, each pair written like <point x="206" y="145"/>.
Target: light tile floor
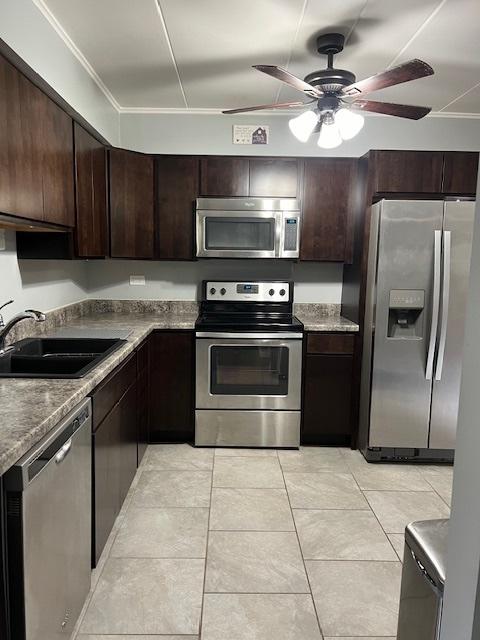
<point x="233" y="544"/>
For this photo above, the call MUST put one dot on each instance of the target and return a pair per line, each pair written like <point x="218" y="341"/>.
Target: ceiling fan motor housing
<point x="330" y="80"/>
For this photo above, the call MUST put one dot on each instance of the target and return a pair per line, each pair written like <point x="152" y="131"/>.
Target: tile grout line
<point x="301" y="553"/>
<point x="200" y="625"/>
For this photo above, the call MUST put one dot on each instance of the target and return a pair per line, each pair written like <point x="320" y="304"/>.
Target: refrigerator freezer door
<point x="400" y="391"/>
<point x="458" y="221"/>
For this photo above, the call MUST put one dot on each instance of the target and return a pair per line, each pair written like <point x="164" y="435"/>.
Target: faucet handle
<point x="39" y="316"/>
<point x="2" y="323"/>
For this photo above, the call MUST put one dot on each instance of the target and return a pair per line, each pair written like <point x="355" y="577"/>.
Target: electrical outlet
<point x="137" y="280"/>
<point x="3" y="244"/>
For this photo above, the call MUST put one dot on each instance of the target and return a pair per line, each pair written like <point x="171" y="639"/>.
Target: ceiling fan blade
<point x="285" y="76"/>
<point x="391" y="109"/>
<point x="276" y="105"/>
<point x="396" y="75"/>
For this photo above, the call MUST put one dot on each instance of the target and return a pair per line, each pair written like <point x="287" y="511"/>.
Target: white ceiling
<point x="151" y="55"/>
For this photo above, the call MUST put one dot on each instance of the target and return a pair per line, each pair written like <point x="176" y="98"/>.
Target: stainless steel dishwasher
<point x="48" y="504"/>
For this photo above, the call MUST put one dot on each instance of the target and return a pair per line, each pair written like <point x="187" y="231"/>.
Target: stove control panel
<point x="251" y="291"/>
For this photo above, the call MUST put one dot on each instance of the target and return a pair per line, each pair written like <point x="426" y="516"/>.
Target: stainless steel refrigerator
<point x="417" y="282"/>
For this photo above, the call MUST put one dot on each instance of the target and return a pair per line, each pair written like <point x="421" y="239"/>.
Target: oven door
<point x="248" y="373"/>
<point x="238" y="234"/>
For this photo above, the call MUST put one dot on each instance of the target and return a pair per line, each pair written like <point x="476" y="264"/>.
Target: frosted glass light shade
<point x="349" y="123"/>
<point x="329" y="137"/>
<point x="303" y="125"/>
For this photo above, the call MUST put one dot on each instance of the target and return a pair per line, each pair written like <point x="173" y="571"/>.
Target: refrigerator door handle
<point x="435" y="304"/>
<point x="447" y="244"/>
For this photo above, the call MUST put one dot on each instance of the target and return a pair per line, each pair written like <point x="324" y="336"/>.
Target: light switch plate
<point x="3" y="244"/>
<point x="137" y="280"/>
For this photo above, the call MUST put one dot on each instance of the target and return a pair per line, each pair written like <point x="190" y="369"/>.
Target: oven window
<point x="241" y="234"/>
<point x="249" y="370"/>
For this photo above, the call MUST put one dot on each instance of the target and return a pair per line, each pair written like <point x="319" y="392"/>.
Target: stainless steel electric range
<point x="248" y="365"/>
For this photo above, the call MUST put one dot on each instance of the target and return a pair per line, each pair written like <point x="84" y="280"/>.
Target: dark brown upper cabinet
<point x="21" y="191"/>
<point x="328" y="209"/>
<point x="36" y="152"/>
<point x="224" y="176"/>
<point x="57" y="164"/>
<point x="275" y="177"/>
<point x="407" y="171"/>
<point x="177" y="188"/>
<point x="460" y="173"/>
<point x="131" y="204"/>
<point x="91" y="195"/>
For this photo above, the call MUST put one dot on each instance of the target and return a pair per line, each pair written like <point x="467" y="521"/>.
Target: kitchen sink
<point x="56" y="357"/>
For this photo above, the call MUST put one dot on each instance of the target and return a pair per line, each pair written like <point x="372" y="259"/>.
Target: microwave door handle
<point x="279" y="230"/>
<point x="435" y="304"/>
<point x="447" y="245"/>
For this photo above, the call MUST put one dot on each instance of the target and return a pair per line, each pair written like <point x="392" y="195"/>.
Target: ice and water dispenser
<point x="405" y="313"/>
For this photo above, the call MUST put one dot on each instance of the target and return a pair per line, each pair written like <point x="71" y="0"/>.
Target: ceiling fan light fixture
<point x="329" y="137"/>
<point x="303" y="125"/>
<point x="348" y="123"/>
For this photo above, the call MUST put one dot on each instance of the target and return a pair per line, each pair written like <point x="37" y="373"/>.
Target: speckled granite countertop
<point x="323" y="317"/>
<point x="31" y="407"/>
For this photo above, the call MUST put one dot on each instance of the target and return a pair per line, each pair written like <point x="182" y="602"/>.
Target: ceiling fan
<point x="330" y="89"/>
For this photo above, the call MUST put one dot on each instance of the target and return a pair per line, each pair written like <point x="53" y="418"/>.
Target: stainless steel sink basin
<point x="56" y="357"/>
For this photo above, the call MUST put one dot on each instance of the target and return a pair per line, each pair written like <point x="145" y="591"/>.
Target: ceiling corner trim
<point x="48" y="15"/>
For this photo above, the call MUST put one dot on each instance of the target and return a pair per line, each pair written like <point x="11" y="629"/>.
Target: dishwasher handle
<point x="53" y="447"/>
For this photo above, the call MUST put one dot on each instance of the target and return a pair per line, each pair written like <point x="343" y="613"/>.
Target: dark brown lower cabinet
<point x="114" y="465"/>
<point x="327" y="401"/>
<point x="3" y="567"/>
<point x="142" y="399"/>
<point x="171" y="386"/>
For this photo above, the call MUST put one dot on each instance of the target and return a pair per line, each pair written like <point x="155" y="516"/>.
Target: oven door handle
<point x="250" y="336"/>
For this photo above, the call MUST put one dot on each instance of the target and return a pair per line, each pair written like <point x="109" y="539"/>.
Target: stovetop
<point x="256" y="306"/>
<point x="247" y="322"/>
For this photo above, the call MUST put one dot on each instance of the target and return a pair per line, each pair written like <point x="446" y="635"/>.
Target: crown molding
<point x="48" y="15"/>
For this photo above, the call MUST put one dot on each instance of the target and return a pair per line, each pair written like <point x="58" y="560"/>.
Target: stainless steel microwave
<point x="248" y="227"/>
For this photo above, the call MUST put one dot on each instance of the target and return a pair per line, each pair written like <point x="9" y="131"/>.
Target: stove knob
<point x="282" y="292"/>
<point x="223" y="291"/>
<point x="213" y="291"/>
<point x="271" y="292"/>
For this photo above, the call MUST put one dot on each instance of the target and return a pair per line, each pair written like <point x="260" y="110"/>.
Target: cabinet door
<point x="327" y="400"/>
<point x="408" y="171"/>
<point x="177" y="189"/>
<point x="142" y="399"/>
<point x="114" y="464"/>
<point x="171" y="386"/>
<point x="21" y="190"/>
<point x="106" y="480"/>
<point x="460" y="173"/>
<point x="91" y="195"/>
<point x="224" y="176"/>
<point x="275" y="177"/>
<point x="328" y="203"/>
<point x="131" y="204"/>
<point x="57" y="165"/>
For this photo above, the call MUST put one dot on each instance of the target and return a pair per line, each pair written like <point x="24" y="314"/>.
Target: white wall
<point x="212" y="134"/>
<point x="182" y="280"/>
<point x="26" y="30"/>
<point x="42" y="285"/>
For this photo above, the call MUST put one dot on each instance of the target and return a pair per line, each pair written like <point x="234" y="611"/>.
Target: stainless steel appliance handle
<point x="251" y="336"/>
<point x="64" y="451"/>
<point x="447" y="254"/>
<point x="435" y="304"/>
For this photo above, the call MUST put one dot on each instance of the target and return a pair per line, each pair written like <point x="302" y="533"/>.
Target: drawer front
<point x="332" y="343"/>
<point x="110" y="391"/>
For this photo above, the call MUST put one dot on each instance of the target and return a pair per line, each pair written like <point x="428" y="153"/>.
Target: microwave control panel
<point x="248" y="291"/>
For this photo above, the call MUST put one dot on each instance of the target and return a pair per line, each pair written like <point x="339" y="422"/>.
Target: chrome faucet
<point x="5" y="327"/>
